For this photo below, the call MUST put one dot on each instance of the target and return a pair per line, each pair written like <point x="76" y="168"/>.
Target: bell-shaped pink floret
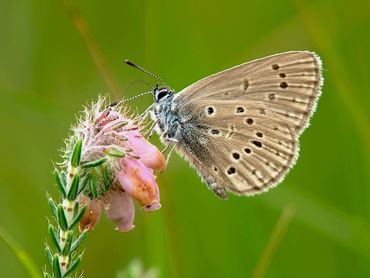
<point x="120" y="209"/>
<point x="149" y="155"/>
<point x="92" y="214"/>
<point x="138" y="181"/>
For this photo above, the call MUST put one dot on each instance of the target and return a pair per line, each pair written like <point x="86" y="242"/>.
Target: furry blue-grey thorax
<point x="182" y="126"/>
<point x="177" y="125"/>
<point x="165" y="116"/>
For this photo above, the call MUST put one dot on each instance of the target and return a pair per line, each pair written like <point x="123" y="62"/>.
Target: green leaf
<point x="115" y="152"/>
<point x="78" y="217"/>
<point x="61" y="182"/>
<point x="95" y="163"/>
<point x="56" y="267"/>
<point x="93" y="183"/>
<point x="68" y="244"/>
<point x="62" y="219"/>
<point x="72" y="193"/>
<point x="54" y="238"/>
<point x="83" y="182"/>
<point x="21" y="255"/>
<point x="73" y="266"/>
<point x="107" y="177"/>
<point x="76" y="207"/>
<point x="53" y="206"/>
<point x="49" y="256"/>
<point x="79" y="240"/>
<point x="76" y="155"/>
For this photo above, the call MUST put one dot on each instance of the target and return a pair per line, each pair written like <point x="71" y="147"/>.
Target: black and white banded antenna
<point x="134" y="97"/>
<point x="145" y="71"/>
<point x="116" y="103"/>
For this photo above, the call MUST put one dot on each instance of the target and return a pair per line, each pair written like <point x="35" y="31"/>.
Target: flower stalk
<point x="65" y="237"/>
<point x="107" y="164"/>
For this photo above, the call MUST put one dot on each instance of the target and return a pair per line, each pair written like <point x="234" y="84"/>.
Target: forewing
<point x="249" y="119"/>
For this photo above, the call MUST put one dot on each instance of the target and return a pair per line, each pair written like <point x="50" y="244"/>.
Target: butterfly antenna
<point x="145" y="71"/>
<point x="134" y="97"/>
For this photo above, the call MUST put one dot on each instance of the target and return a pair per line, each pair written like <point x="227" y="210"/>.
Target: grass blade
<point x="21" y="255"/>
<point x="274" y="241"/>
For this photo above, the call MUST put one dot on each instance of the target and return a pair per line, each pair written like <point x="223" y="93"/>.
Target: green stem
<point x="66" y="214"/>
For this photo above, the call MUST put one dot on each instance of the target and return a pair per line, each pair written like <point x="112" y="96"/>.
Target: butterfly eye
<point x="162" y="93"/>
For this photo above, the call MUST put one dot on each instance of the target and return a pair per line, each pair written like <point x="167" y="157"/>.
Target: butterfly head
<point x="161" y="93"/>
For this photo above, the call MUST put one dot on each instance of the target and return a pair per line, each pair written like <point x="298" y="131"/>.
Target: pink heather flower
<point x="128" y="172"/>
<point x="138" y="181"/>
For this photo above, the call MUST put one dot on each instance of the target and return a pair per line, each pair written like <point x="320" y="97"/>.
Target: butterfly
<point x="240" y="128"/>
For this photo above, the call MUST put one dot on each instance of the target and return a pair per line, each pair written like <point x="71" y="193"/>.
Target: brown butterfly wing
<point x="245" y="122"/>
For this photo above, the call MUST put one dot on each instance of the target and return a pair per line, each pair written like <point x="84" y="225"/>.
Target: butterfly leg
<point x="168" y="155"/>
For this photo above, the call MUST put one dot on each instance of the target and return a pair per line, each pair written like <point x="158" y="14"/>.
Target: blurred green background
<point x="56" y="56"/>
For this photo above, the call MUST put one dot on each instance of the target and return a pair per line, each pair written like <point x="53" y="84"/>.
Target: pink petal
<point x="92" y="214"/>
<point x="138" y="181"/>
<point x="149" y="155"/>
<point x="120" y="209"/>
